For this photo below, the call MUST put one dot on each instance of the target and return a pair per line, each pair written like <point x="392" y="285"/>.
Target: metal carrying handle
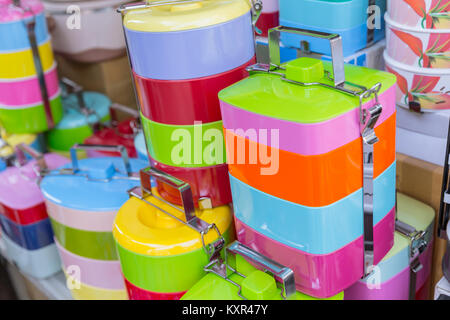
<point x="282" y="274"/>
<point x="125" y="109"/>
<point x="30" y="26"/>
<point x="444" y="209"/>
<point x="418" y="243"/>
<point x="191" y="220"/>
<point x="106" y="148"/>
<point x="75" y="88"/>
<point x="23" y="149"/>
<point x="335" y="40"/>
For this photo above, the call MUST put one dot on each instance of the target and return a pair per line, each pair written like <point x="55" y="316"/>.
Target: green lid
<point x="256" y="285"/>
<point x="267" y="94"/>
<point x="416" y="214"/>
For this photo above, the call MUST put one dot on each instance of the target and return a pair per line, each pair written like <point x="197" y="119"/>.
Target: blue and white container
<point x="359" y="22"/>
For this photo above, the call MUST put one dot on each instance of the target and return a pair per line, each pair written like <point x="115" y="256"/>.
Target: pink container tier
<point x="24" y="92"/>
<point x="313" y="276"/>
<point x="21" y="199"/>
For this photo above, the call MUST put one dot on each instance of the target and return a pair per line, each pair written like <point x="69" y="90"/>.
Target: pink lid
<point x="10" y="13"/>
<point x="18" y="187"/>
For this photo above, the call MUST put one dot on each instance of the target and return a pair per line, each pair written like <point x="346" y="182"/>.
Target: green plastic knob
<point x="305" y="70"/>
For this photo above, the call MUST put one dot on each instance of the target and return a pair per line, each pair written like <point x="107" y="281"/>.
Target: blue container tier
<point x="14" y="36"/>
<point x="315" y="230"/>
<point x="190" y="54"/>
<point x="31" y="237"/>
<point x="346" y="18"/>
<point x="353" y="40"/>
<point x="101" y="185"/>
<point x="329" y="14"/>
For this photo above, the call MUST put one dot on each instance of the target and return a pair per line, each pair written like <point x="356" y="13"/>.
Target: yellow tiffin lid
<point x="185" y="16"/>
<point x="13" y="140"/>
<point x="416" y="214"/>
<point x="141" y="228"/>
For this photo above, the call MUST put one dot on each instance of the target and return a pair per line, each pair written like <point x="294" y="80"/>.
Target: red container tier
<point x="136" y="293"/>
<point x="181" y="102"/>
<point x="207" y="182"/>
<point x="267" y="21"/>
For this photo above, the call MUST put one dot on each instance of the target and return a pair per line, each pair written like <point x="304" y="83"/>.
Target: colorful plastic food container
<point x="162" y="247"/>
<point x="95" y="36"/>
<point x="416" y="47"/>
<point x="29" y="94"/>
<point x="420" y="89"/>
<point x="82" y="200"/>
<point x="297" y="178"/>
<point x="178" y="72"/>
<point x="425" y="14"/>
<point x="117" y="133"/>
<point x="23" y="217"/>
<point x="84" y="112"/>
<point x="348" y="18"/>
<point x="404" y="273"/>
<point x="237" y="279"/>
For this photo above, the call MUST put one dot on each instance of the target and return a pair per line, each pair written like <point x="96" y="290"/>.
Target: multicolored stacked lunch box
<point x="82" y="200"/>
<point x="237" y="279"/>
<point x="121" y="133"/>
<point x="359" y="22"/>
<point x="404" y="273"/>
<point x="182" y="54"/>
<point x="269" y="18"/>
<point x="84" y="111"/>
<point x="29" y="92"/>
<point x="295" y="135"/>
<point x="24" y="222"/>
<point x="162" y="247"/>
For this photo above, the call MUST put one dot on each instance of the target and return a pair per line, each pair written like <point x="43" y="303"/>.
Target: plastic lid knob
<point x="305" y="70"/>
<point x="259" y="286"/>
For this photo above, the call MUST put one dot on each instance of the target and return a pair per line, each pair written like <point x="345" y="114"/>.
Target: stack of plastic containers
<point x="359" y="22"/>
<point x="29" y="92"/>
<point x="82" y="200"/>
<point x="404" y="273"/>
<point x="418" y="52"/>
<point x="182" y="54"/>
<point x="84" y="112"/>
<point x="26" y="228"/>
<point x="163" y="248"/>
<point x="303" y="127"/>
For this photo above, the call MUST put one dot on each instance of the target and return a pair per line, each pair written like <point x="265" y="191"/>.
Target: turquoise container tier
<point x="348" y="18"/>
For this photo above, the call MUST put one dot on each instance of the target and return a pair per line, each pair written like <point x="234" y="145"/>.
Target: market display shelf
<point x="54" y="287"/>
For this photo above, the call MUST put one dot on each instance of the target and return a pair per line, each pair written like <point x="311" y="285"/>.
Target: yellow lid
<point x="13" y="140"/>
<point x="416" y="214"/>
<point x="185" y="16"/>
<point x="141" y="228"/>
